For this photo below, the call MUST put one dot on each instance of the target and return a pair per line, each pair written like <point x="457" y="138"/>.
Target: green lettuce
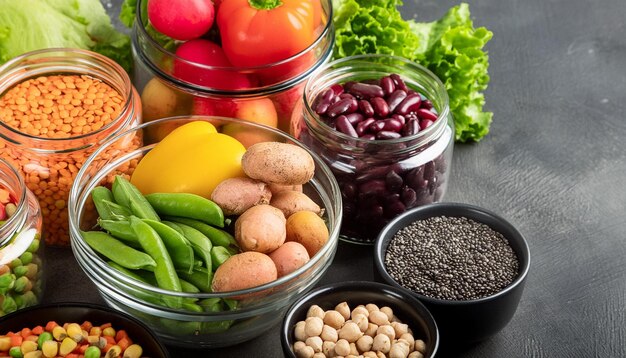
<point x="29" y="25"/>
<point x="450" y="47"/>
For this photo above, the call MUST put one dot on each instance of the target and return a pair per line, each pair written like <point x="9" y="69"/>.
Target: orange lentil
<point x="69" y="109"/>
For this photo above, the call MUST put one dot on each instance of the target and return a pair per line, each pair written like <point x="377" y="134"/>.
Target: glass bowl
<point x="258" y="308"/>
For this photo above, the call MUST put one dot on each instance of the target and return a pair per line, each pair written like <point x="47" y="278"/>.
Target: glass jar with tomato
<point x="232" y="58"/>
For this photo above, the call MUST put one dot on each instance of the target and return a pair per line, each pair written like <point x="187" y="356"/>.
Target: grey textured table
<point x="554" y="164"/>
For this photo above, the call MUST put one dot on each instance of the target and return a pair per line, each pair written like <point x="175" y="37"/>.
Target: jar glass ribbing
<point x="21" y="259"/>
<point x="368" y="170"/>
<point x="49" y="165"/>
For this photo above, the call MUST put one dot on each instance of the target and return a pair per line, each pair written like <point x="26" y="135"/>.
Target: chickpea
<point x="305" y="352"/>
<point x="313" y="326"/>
<point x="298" y="345"/>
<point x="343" y="309"/>
<point x="361" y="321"/>
<point x="399" y="349"/>
<point x="299" y="332"/>
<point x="369" y="354"/>
<point x="371" y="329"/>
<point x="371" y="307"/>
<point x="415" y="354"/>
<point x="360" y="309"/>
<point x="387" y="330"/>
<point x="381" y="343"/>
<point x="420" y="346"/>
<point x="334" y="319"/>
<point x="353" y="350"/>
<point x="380" y="355"/>
<point x="328" y="348"/>
<point x="350" y="332"/>
<point x="378" y="317"/>
<point x="329" y="334"/>
<point x="342" y="347"/>
<point x="364" y="343"/>
<point x="315" y="311"/>
<point x="409" y="339"/>
<point x="400" y="328"/>
<point x="388" y="311"/>
<point x="319" y="355"/>
<point x="315" y="343"/>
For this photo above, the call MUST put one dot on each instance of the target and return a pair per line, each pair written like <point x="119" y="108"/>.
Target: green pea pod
<point x="117" y="251"/>
<point x="120" y="229"/>
<point x="211" y="304"/>
<point x="126" y="194"/>
<point x="187" y="205"/>
<point x="188" y="287"/>
<point x="216" y="327"/>
<point x="164" y="271"/>
<point x="231" y="304"/>
<point x="139" y="275"/>
<point x="179" y="248"/>
<point x="217" y="236"/>
<point x="105" y="204"/>
<point x="117" y="212"/>
<point x="201" y="244"/>
<point x="219" y="254"/>
<point x="199" y="278"/>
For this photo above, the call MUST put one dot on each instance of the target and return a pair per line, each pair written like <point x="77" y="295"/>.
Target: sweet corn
<point x="114" y="352"/>
<point x="5" y="343"/>
<point x="75" y="332"/>
<point x="109" y="331"/>
<point x="67" y="346"/>
<point x="33" y="354"/>
<point x="59" y="333"/>
<point x="133" y="351"/>
<point x="28" y="346"/>
<point x="50" y="349"/>
<point x="95" y="331"/>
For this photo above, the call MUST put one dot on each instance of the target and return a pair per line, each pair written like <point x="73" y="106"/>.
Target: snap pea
<point x="117" y="251"/>
<point x="177" y="245"/>
<point x="201" y="244"/>
<point x="126" y="194"/>
<point x="98" y="195"/>
<point x="141" y="276"/>
<point x="188" y="287"/>
<point x="187" y="205"/>
<point x="164" y="272"/>
<point x="217" y="236"/>
<point x="198" y="278"/>
<point x="119" y="229"/>
<point x="219" y="254"/>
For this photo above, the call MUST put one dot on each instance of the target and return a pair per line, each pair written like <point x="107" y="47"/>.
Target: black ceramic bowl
<point x="469" y="321"/>
<point x="407" y="308"/>
<point x="80" y="312"/>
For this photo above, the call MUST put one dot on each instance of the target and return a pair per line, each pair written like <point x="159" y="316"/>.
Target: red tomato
<point x="207" y="53"/>
<point x="181" y="19"/>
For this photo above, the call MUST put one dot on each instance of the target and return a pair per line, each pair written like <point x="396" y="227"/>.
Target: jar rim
<point x="19" y="189"/>
<point x="328" y="27"/>
<point x="327" y="71"/>
<point x="16" y="72"/>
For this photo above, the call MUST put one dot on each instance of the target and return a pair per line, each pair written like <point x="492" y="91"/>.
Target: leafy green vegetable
<point x="127" y="12"/>
<point x="450" y="47"/>
<point x="29" y="25"/>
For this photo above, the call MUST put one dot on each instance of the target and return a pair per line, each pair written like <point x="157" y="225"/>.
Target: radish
<point x="181" y="19"/>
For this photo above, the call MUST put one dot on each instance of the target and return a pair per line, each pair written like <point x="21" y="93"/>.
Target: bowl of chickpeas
<point x="359" y="319"/>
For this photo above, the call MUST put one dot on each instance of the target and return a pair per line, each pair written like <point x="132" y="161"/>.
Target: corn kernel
<point x="95" y="331"/>
<point x="50" y="349"/>
<point x="67" y="346"/>
<point x="5" y="343"/>
<point x="33" y="354"/>
<point x="75" y="332"/>
<point x="109" y="331"/>
<point x="28" y="346"/>
<point x="133" y="351"/>
<point x="114" y="352"/>
<point x="59" y="333"/>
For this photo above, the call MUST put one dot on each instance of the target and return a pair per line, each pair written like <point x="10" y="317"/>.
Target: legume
<point x="451" y="258"/>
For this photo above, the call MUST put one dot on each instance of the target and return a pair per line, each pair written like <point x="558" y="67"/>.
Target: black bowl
<point x="407" y="308"/>
<point x="462" y="322"/>
<point x="80" y="312"/>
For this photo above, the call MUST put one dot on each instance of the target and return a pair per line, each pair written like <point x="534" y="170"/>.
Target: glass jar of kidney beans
<point x="383" y="125"/>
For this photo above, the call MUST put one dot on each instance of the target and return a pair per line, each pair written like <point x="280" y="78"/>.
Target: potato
<point x="236" y="195"/>
<point x="290" y="202"/>
<point x="289" y="257"/>
<point x="277" y="188"/>
<point x="278" y="163"/>
<point x="262" y="228"/>
<point x="160" y="101"/>
<point x="245" y="270"/>
<point x="308" y="229"/>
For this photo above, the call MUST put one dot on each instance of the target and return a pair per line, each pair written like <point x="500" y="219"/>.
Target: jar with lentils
<point x="57" y="106"/>
<point x="21" y="259"/>
<point x="383" y="125"/>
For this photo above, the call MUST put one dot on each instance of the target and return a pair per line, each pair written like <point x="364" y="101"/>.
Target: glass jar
<point x="172" y="86"/>
<point x="21" y="260"/>
<point x="380" y="179"/>
<point x="49" y="165"/>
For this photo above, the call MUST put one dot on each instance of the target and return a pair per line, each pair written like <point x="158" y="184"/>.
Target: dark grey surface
<point x="554" y="164"/>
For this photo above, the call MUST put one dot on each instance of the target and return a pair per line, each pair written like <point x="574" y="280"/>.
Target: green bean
<point x="120" y="229"/>
<point x="117" y="251"/>
<point x="219" y="254"/>
<point x="187" y="205"/>
<point x="126" y="194"/>
<point x="177" y="245"/>
<point x="198" y="278"/>
<point x="217" y="236"/>
<point x="201" y="244"/>
<point x="164" y="271"/>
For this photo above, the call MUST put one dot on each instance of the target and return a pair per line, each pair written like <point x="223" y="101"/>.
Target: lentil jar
<point x="21" y="263"/>
<point x="382" y="173"/>
<point x="56" y="107"/>
<point x="171" y="86"/>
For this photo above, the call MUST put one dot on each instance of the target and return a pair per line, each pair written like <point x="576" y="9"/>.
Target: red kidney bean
<point x="337" y="88"/>
<point x="377" y="126"/>
<point x="393" y="181"/>
<point x="363" y="126"/>
<point x="395" y="98"/>
<point x="347" y="85"/>
<point x="427" y="104"/>
<point x="399" y="117"/>
<point x="392" y="124"/>
<point x="397" y="80"/>
<point x="346" y="95"/>
<point x="394" y="208"/>
<point x="372" y="173"/>
<point x="374" y="187"/>
<point x="429" y="170"/>
<point x="410" y="128"/>
<point x="424" y="113"/>
<point x="386" y="83"/>
<point x="381" y="108"/>
<point x="349" y="190"/>
<point x="366" y="108"/>
<point x="345" y="127"/>
<point x="368" y="136"/>
<point x="364" y="90"/>
<point x="409" y="196"/>
<point x="343" y="106"/>
<point x="425" y="123"/>
<point x="388" y="135"/>
<point x="409" y="103"/>
<point x="322" y="101"/>
<point x="354" y="118"/>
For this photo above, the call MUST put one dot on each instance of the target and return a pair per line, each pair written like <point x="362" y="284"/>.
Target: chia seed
<point x="451" y="258"/>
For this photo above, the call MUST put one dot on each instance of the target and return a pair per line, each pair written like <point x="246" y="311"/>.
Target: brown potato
<point x="261" y="228"/>
<point x="290" y="202"/>
<point x="308" y="229"/>
<point x="244" y="270"/>
<point x="160" y="101"/>
<point x="289" y="257"/>
<point x="236" y="195"/>
<point x="277" y="188"/>
<point x="278" y="163"/>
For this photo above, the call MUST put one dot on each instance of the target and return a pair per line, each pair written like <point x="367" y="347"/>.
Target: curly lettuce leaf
<point x="127" y="12"/>
<point x="29" y="25"/>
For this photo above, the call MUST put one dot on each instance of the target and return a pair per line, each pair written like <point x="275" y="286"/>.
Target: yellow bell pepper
<point x="193" y="158"/>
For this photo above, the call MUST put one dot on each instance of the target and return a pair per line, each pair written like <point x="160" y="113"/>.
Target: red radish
<point x="207" y="53"/>
<point x="181" y="19"/>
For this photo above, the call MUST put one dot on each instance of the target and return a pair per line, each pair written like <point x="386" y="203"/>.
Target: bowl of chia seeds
<point x="467" y="265"/>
